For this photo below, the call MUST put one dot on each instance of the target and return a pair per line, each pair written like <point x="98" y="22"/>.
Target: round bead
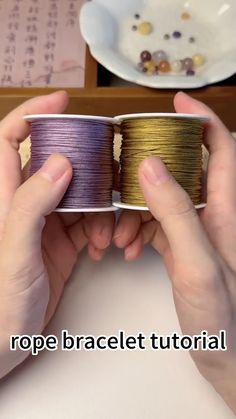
<point x="159" y="55"/>
<point x="177" y="34"/>
<point x="198" y="60"/>
<point x="141" y="68"/>
<point x="150" y="66"/>
<point x="145" y="28"/>
<point x="187" y="64"/>
<point x="177" y="66"/>
<point x="192" y="40"/>
<point x="134" y="28"/>
<point x="137" y="16"/>
<point x="145" y="56"/>
<point x="190" y="72"/>
<point x="167" y="37"/>
<point x="164" y="66"/>
<point x="185" y="16"/>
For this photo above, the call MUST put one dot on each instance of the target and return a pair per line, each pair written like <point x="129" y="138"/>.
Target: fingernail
<point x="155" y="171"/>
<point x="117" y="233"/>
<point x="128" y="254"/>
<point x="98" y="255"/>
<point x="54" y="168"/>
<point x="105" y="235"/>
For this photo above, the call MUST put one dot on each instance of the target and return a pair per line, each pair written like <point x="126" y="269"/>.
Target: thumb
<point x="173" y="208"/>
<point x="35" y="199"/>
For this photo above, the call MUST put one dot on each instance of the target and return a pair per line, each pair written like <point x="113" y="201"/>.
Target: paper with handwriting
<point x="41" y="44"/>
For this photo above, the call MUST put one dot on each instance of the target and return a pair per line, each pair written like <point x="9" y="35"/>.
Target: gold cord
<point x="177" y="141"/>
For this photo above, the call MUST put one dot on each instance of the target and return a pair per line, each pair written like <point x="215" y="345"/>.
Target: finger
<point x="217" y="135"/>
<point x="9" y="164"/>
<point x="94" y="253"/>
<point x="12" y="130"/>
<point x="172" y="207"/>
<point x="68" y="219"/>
<point x="78" y="235"/>
<point x="153" y="233"/>
<point x="221" y="145"/>
<point x="219" y="214"/>
<point x="35" y="199"/>
<point x="127" y="228"/>
<point x="134" y="250"/>
<point x="15" y="129"/>
<point x="57" y="242"/>
<point x="100" y="229"/>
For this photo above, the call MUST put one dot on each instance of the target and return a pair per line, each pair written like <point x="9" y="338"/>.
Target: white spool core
<point x="86" y="210"/>
<point x="120" y="205"/>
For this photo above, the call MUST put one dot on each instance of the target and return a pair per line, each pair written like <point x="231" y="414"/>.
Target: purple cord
<point x="88" y="144"/>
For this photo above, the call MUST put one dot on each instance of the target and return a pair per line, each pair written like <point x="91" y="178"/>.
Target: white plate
<point x="106" y="26"/>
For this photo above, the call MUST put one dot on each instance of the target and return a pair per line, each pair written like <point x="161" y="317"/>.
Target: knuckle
<point x="21" y="208"/>
<point x="24" y="209"/>
<point x="183" y="207"/>
<point x="180" y="206"/>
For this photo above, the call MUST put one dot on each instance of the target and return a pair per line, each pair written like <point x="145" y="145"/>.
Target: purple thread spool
<point x="87" y="142"/>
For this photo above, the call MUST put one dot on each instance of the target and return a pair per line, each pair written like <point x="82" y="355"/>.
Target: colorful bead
<point x="145" y="56"/>
<point x="198" y="60"/>
<point x="159" y="55"/>
<point x="145" y="28"/>
<point x="177" y="66"/>
<point x="150" y="66"/>
<point x="164" y="66"/>
<point x="158" y="62"/>
<point x="177" y="34"/>
<point x="141" y="68"/>
<point x="167" y="37"/>
<point x="187" y="64"/>
<point x="190" y="72"/>
<point x="185" y="16"/>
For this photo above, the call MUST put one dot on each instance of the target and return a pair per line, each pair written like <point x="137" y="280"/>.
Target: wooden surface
<point x="112" y="101"/>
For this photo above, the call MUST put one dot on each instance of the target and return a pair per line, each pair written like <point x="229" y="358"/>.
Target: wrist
<point x="226" y="388"/>
<point x="9" y="359"/>
<point x="223" y="378"/>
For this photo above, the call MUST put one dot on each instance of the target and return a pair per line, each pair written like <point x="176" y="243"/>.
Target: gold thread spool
<point x="177" y="141"/>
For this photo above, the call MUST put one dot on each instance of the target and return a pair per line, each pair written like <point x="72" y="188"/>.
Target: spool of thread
<point x="87" y="142"/>
<point x="175" y="138"/>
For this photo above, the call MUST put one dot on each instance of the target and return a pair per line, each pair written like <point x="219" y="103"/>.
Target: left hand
<point x="38" y="248"/>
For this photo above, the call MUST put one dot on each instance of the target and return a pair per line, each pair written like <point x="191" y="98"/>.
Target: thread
<point x="88" y="144"/>
<point x="177" y="141"/>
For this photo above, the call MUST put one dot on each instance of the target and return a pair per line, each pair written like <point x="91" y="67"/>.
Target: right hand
<point x="199" y="250"/>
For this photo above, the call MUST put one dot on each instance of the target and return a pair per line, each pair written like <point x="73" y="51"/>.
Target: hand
<point x="38" y="248"/>
<point x="198" y="249"/>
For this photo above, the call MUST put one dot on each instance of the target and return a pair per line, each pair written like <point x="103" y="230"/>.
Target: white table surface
<point x="101" y="299"/>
